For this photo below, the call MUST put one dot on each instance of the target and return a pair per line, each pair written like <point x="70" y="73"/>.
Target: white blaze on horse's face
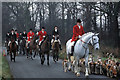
<point x="95" y="41"/>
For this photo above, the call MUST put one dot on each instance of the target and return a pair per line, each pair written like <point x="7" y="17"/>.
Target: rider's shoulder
<point x="75" y="26"/>
<point x="81" y="26"/>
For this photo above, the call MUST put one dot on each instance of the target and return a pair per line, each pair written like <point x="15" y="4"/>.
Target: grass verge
<point x="5" y="69"/>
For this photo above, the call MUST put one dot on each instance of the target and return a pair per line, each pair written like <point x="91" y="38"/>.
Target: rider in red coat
<point x="17" y="34"/>
<point x="42" y="35"/>
<point x="78" y="31"/>
<point x="29" y="37"/>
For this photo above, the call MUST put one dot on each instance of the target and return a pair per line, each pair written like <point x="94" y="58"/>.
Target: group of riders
<point x="29" y="36"/>
<point x="78" y="31"/>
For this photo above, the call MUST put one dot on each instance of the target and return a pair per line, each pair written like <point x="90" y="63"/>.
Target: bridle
<point x="92" y="41"/>
<point x="88" y="43"/>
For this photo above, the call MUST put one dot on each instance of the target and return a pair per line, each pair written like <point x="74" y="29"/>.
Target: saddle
<point x="72" y="48"/>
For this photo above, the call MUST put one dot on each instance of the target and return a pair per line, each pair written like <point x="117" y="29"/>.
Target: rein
<point x="87" y="43"/>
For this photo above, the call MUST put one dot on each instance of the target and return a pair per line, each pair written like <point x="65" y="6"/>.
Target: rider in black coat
<point x="24" y="35"/>
<point x="7" y="36"/>
<point x="13" y="35"/>
<point x="56" y="33"/>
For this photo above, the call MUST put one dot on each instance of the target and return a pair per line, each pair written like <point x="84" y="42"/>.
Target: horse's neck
<point x="87" y="38"/>
<point x="32" y="41"/>
<point x="56" y="44"/>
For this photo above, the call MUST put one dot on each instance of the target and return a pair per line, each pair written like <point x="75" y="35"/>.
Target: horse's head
<point x="12" y="40"/>
<point x="47" y="38"/>
<point x="95" y="41"/>
<point x="56" y="39"/>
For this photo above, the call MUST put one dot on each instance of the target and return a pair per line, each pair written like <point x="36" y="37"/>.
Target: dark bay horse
<point x="45" y="48"/>
<point x="32" y="47"/>
<point x="55" y="49"/>
<point x="13" y="49"/>
<point x="23" y="46"/>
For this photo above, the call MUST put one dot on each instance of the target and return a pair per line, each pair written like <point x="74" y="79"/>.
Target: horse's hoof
<point x="78" y="74"/>
<point x="69" y="69"/>
<point x="48" y="64"/>
<point x="65" y="70"/>
<point x="86" y="75"/>
<point x="55" y="61"/>
<point x="75" y="72"/>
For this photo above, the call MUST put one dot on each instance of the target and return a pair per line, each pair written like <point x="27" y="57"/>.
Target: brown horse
<point x="32" y="47"/>
<point x="23" y="46"/>
<point x="13" y="49"/>
<point x="55" y="49"/>
<point x="45" y="48"/>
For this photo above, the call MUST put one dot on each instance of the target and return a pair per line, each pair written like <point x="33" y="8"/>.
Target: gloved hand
<point x="30" y="37"/>
<point x="43" y="36"/>
<point x="37" y="33"/>
<point x="79" y="36"/>
<point x="20" y="41"/>
<point x="36" y="41"/>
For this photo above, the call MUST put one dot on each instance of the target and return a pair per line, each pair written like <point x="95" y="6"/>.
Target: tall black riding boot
<point x="40" y="47"/>
<point x="72" y="50"/>
<point x="60" y="46"/>
<point x="50" y="47"/>
<point x="17" y="48"/>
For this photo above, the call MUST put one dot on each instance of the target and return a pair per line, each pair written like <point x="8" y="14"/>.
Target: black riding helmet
<point x="30" y="29"/>
<point x="78" y="20"/>
<point x="43" y="27"/>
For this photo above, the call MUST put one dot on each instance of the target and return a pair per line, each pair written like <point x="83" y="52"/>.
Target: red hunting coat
<point x="41" y="35"/>
<point x="17" y="35"/>
<point x="77" y="32"/>
<point x="30" y="35"/>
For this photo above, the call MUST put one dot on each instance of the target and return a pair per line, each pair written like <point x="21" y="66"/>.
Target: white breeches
<point x="40" y="42"/>
<point x="54" y="40"/>
<point x="10" y="42"/>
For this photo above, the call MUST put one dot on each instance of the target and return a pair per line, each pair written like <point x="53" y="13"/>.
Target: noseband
<point x="88" y="43"/>
<point x="92" y="40"/>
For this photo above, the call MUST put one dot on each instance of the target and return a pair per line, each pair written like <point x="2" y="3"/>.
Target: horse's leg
<point x="14" y="54"/>
<point x="77" y="67"/>
<point x="7" y="49"/>
<point x="11" y="56"/>
<point x="57" y="55"/>
<point x="40" y="54"/>
<point x="42" y="59"/>
<point x="23" y="51"/>
<point x="86" y="66"/>
<point x="27" y="52"/>
<point x="54" y="57"/>
<point x="69" y="62"/>
<point x="48" y="58"/>
<point x="31" y="54"/>
<point x="35" y="51"/>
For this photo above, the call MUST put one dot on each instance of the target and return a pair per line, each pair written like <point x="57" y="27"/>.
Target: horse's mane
<point x="87" y="34"/>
